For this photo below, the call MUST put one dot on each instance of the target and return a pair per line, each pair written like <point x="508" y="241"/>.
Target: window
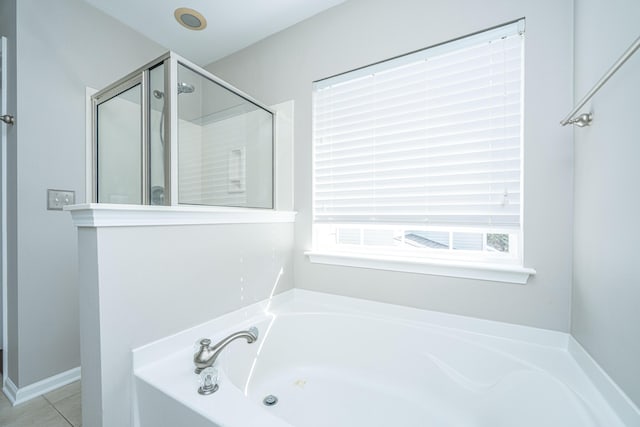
<point x="420" y="156"/>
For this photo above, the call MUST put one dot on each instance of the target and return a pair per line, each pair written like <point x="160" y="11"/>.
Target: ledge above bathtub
<point x="465" y="270"/>
<point x="112" y="215"/>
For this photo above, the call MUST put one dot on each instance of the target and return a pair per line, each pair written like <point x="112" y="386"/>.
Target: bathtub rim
<point x="304" y="301"/>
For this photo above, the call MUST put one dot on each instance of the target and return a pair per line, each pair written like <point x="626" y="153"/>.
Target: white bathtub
<point x="334" y="361"/>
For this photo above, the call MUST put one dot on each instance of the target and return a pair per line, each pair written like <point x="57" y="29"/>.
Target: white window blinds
<point x="429" y="138"/>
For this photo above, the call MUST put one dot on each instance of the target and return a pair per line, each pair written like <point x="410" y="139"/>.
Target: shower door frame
<point x="106" y="96"/>
<point x="137" y="77"/>
<point x="171" y="61"/>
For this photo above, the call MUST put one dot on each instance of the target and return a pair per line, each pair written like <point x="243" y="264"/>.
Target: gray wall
<point x="360" y="32"/>
<point x="606" y="287"/>
<point x="151" y="282"/>
<point x="8" y="29"/>
<point x="62" y="46"/>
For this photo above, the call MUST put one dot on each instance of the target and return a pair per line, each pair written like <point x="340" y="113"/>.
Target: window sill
<point x="461" y="269"/>
<point x="112" y="215"/>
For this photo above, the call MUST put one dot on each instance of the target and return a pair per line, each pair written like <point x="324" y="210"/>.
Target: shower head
<point x="184" y="87"/>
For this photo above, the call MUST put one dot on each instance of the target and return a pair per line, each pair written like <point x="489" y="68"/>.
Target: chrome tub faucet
<point x="207" y="355"/>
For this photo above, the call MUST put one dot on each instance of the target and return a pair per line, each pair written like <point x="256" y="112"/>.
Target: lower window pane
<point x="498" y="242"/>
<point x="427" y="239"/>
<point x="396" y="240"/>
<point x="348" y="236"/>
<point x="378" y="238"/>
<point x="467" y="241"/>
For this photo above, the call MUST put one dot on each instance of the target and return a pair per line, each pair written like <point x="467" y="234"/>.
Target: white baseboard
<point x="20" y="395"/>
<point x="623" y="406"/>
<point x="9" y="389"/>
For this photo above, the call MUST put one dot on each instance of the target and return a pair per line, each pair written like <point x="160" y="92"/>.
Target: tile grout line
<point x="56" y="409"/>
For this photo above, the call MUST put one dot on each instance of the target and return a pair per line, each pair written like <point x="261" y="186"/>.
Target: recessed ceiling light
<point x="190" y="19"/>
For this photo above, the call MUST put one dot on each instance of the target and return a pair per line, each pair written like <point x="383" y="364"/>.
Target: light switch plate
<point x="56" y="199"/>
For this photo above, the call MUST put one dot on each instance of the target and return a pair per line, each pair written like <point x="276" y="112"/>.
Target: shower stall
<point x="172" y="133"/>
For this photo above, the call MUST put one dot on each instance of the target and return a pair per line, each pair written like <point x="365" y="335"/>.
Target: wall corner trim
<point x="112" y="215"/>
<point x="21" y="395"/>
<point x="621" y="404"/>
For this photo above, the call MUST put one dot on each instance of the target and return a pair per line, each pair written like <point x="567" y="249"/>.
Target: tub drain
<point x="270" y="400"/>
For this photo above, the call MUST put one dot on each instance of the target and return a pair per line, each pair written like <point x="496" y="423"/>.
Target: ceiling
<point x="231" y="24"/>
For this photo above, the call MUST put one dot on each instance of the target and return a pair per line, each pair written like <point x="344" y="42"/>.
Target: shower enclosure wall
<point x="172" y="133"/>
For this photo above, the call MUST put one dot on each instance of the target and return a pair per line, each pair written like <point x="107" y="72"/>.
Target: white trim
<point x="283" y="155"/>
<point x="9" y="389"/>
<point x="628" y="412"/>
<point x="3" y="214"/>
<point x="172" y="119"/>
<point x="108" y="215"/>
<point x="467" y="270"/>
<point x="20" y="395"/>
<point x="88" y="147"/>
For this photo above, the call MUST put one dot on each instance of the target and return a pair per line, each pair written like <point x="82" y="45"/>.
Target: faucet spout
<point x="207" y="355"/>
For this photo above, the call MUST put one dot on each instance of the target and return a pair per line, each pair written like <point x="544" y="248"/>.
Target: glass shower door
<point x="119" y="148"/>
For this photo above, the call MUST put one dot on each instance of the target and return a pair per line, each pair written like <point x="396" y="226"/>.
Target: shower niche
<point x="171" y="133"/>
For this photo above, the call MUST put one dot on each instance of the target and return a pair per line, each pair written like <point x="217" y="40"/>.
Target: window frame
<point x="449" y="262"/>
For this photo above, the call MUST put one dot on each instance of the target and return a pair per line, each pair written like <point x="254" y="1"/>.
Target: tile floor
<point x="58" y="408"/>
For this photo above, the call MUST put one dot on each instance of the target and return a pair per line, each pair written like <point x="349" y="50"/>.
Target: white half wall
<point x="140" y="284"/>
<point x="606" y="281"/>
<point x="361" y="32"/>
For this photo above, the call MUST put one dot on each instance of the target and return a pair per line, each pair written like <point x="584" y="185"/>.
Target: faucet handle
<point x="201" y="344"/>
<point x="208" y="381"/>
